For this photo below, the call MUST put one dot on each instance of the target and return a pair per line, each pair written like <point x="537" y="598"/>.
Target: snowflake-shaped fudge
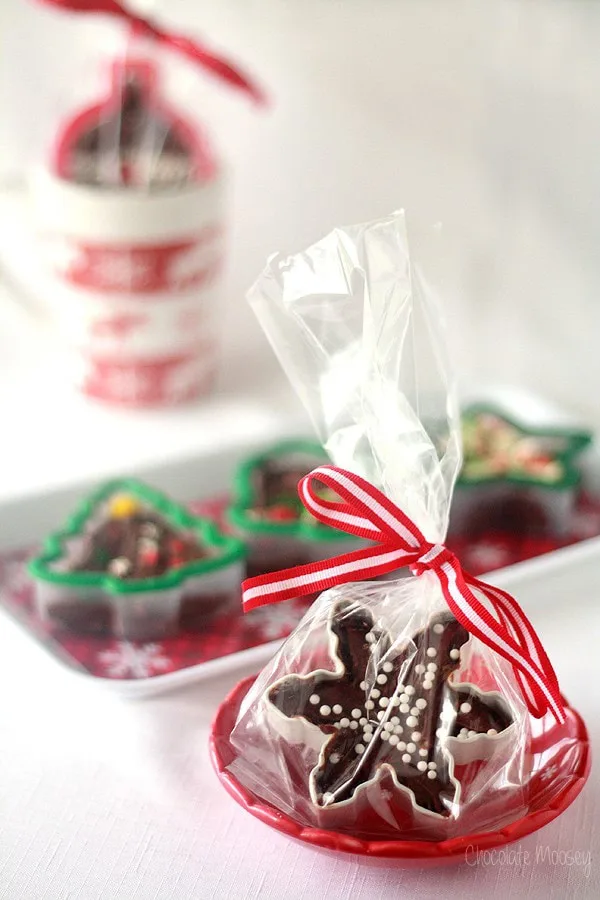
<point x="389" y="709"/>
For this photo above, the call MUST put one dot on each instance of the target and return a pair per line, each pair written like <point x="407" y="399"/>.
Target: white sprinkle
<point x="465" y="707"/>
<point x="455" y="654"/>
<point x="416" y="736"/>
<point x="431" y="774"/>
<point x="431" y="667"/>
<point x="337" y="725"/>
<point x="359" y="749"/>
<point x="409" y="689"/>
<point x="401" y="745"/>
<point x="387" y="667"/>
<point x="394" y="739"/>
<point x="368" y="727"/>
<point x="363" y="721"/>
<point x="415" y="711"/>
<point x="492" y="731"/>
<point x="427" y="685"/>
<point x="395" y="720"/>
<point x="398" y="729"/>
<point x="400" y="687"/>
<point x="431" y="651"/>
<point x="421" y="703"/>
<point x="325" y="710"/>
<point x="369" y="704"/>
<point x="370" y="638"/>
<point x="356" y="713"/>
<point x="422" y="765"/>
<point x="334" y="758"/>
<point x="419" y="668"/>
<point x="337" y="709"/>
<point x="472" y="733"/>
<point x="314" y="699"/>
<point x="375" y="693"/>
<point x="354" y="725"/>
<point x="395" y="700"/>
<point x="406" y="757"/>
<point x="328" y="798"/>
<point x="381" y="714"/>
<point x="381" y="679"/>
<point x="404" y="708"/>
<point x="404" y="698"/>
<point x="422" y="752"/>
<point x="464" y="730"/>
<point x="363" y="686"/>
<point x="344" y="722"/>
<point x="367" y="736"/>
<point x="412" y="721"/>
<point x="463" y="737"/>
<point x="432" y="765"/>
<point x="384" y="701"/>
<point x="411" y="747"/>
<point x="385" y="735"/>
<point x="438" y="628"/>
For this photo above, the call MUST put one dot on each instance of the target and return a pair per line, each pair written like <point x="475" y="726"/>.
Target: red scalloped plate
<point x="410" y="852"/>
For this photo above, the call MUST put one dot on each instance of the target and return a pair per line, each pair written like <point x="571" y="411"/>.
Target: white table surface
<point x="103" y="797"/>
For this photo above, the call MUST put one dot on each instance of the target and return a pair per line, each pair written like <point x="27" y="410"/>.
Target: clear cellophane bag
<point x="381" y="716"/>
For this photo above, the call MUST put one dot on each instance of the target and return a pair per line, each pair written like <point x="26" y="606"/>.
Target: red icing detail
<point x="149" y="556"/>
<point x="281" y="513"/>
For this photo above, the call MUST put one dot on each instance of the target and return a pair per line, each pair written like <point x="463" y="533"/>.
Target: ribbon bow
<point x="219" y="66"/>
<point x="367" y="513"/>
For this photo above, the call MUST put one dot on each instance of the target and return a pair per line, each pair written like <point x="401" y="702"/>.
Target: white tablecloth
<point x="103" y="797"/>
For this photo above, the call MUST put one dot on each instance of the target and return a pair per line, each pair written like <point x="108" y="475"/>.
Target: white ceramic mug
<point x="134" y="278"/>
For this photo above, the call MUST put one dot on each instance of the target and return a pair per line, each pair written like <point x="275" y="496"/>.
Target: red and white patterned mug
<point x="134" y="278"/>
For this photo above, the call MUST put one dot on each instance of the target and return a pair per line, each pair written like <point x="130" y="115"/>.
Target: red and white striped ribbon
<point x="367" y="513"/>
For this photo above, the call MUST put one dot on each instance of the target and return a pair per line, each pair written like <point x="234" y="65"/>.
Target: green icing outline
<point x="205" y="532"/>
<point x="244" y="497"/>
<point x="576" y="442"/>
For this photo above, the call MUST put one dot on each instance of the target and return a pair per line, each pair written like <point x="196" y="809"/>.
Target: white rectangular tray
<point x="537" y="582"/>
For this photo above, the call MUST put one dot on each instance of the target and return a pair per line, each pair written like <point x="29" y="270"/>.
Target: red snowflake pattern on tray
<point x="104" y="656"/>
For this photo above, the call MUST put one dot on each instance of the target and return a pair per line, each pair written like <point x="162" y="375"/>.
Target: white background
<point x="483" y="116"/>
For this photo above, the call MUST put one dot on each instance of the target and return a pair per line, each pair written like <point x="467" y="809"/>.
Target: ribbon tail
<point x="214" y="64"/>
<point x="191" y="49"/>
<point x="360" y="565"/>
<point x="521" y="629"/>
<point x="471" y="613"/>
<point x="520" y="623"/>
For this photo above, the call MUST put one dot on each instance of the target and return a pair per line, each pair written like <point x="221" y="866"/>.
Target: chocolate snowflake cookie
<point x="389" y="709"/>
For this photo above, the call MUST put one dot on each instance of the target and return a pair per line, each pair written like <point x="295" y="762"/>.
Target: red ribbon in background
<point x="367" y="513"/>
<point x="191" y="49"/>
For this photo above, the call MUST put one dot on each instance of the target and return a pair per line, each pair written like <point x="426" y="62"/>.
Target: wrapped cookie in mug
<point x="424" y="707"/>
<point x="131" y="216"/>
